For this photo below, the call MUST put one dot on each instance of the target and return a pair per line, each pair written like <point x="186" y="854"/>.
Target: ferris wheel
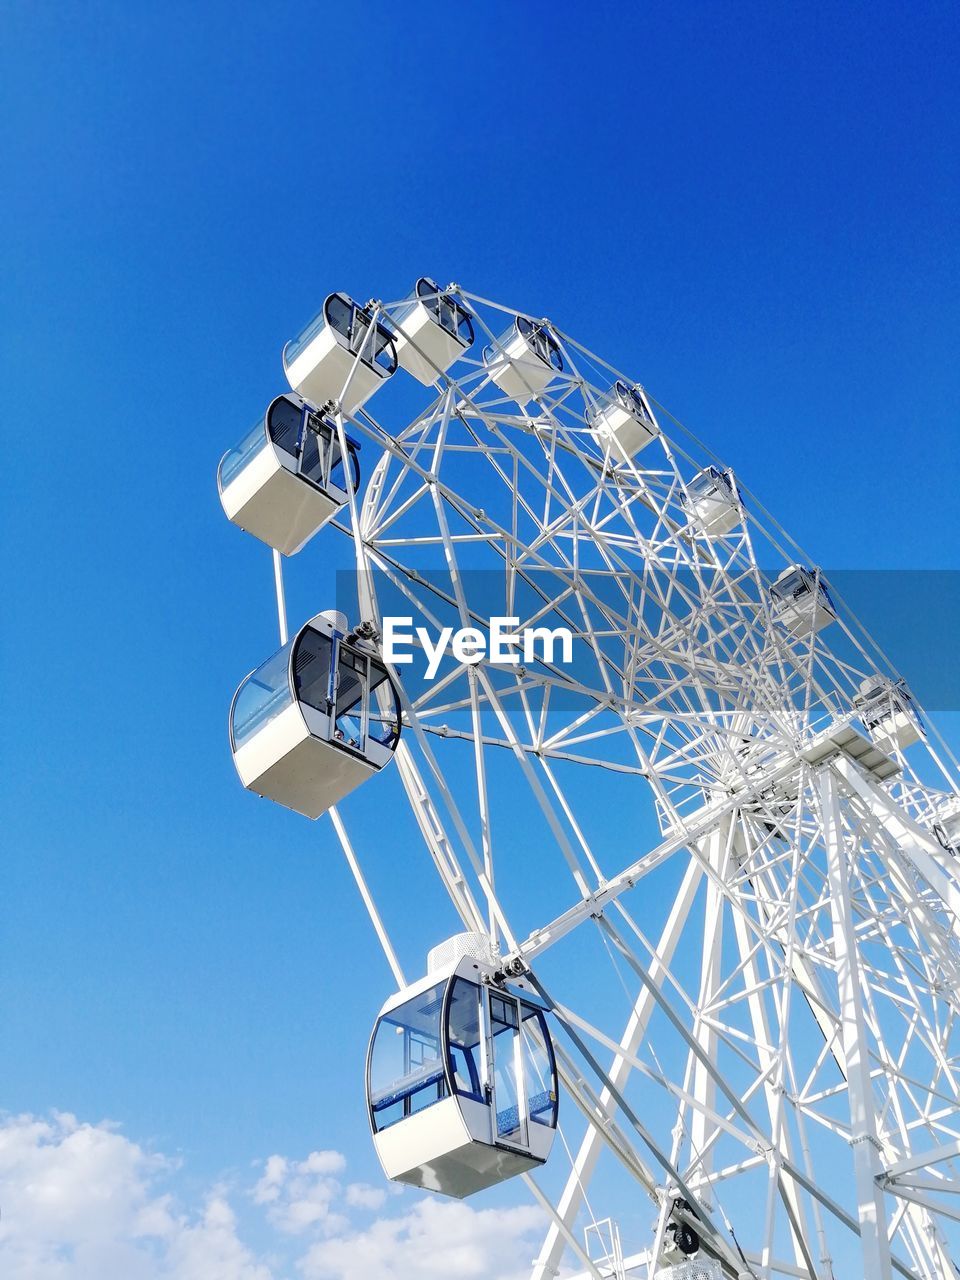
<point x="701" y="841"/>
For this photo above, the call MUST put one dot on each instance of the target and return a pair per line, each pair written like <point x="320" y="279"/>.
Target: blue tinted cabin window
<point x="632" y="401"/>
<point x="234" y="461"/>
<point x="793" y="585"/>
<point x="311" y="670"/>
<point x="366" y="703"/>
<point x="316" y="445"/>
<point x="406" y="1072"/>
<point x="321" y="459"/>
<point x="261" y="697"/>
<point x="541" y="341"/>
<point x="384" y="706"/>
<point x="383" y="353"/>
<point x="446" y="310"/>
<point x="354" y="323"/>
<point x="539" y="1068"/>
<point x="708" y="482"/>
<point x="339" y="312"/>
<point x="525" y="1080"/>
<point x="507" y="1073"/>
<point x="463" y="1039"/>
<point x="284" y="422"/>
<point x="351" y="685"/>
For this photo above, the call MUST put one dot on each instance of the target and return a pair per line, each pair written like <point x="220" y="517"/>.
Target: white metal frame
<point x="815" y="1040"/>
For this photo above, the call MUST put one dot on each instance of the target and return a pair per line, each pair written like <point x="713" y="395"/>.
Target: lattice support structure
<point x="787" y="1058"/>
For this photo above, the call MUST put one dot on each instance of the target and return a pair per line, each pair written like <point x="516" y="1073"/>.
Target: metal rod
<point x="368" y="901"/>
<point x="281" y="598"/>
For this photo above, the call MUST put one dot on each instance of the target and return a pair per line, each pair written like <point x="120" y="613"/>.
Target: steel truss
<point x="789" y="945"/>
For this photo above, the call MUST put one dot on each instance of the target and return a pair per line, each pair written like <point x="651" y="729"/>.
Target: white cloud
<point x="299" y="1195"/>
<point x="84" y="1202"/>
<point x="81" y="1202"/>
<point x="435" y="1239"/>
<point x="360" y="1196"/>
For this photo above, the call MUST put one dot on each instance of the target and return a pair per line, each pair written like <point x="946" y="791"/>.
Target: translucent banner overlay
<point x="913" y="615"/>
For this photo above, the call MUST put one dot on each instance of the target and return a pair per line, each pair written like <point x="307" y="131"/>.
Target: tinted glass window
<point x="463" y="1033"/>
<point x="344" y="477"/>
<point x="311" y="670"/>
<point x="538" y="1068"/>
<point x="632" y="401"/>
<point x="312" y="456"/>
<point x="406" y="1069"/>
<point x="795" y="584"/>
<point x="321" y="461"/>
<point x="351" y="692"/>
<point x="507" y="1070"/>
<point x="447" y="311"/>
<point x="384" y="707"/>
<point x="236" y="459"/>
<point x="541" y="342"/>
<point x="263" y="695"/>
<point x="339" y="313"/>
<point x="426" y="288"/>
<point x="283" y="423"/>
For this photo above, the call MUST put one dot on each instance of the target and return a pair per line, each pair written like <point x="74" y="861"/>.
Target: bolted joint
<point x="366" y="630"/>
<point x="515" y="967"/>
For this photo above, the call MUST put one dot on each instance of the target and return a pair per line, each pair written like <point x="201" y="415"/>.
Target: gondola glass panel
<point x="342" y="354"/>
<point x="261" y="697"/>
<point x="525" y="359"/>
<point x="510" y="1100"/>
<point x="314" y="721"/>
<point x="406" y="1068"/>
<point x="461" y="1083"/>
<point x="434" y="329"/>
<point x="286" y="479"/>
<point x="538" y="1068"/>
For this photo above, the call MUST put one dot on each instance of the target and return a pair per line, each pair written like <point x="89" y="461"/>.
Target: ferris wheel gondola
<point x="524" y="360"/>
<point x="344" y="354"/>
<point x="433" y="330"/>
<point x="316" y="720"/>
<point x="461" y="1077"/>
<point x="712" y="500"/>
<point x="800" y="601"/>
<point x="288" y="476"/>
<point x="625" y="418"/>
<point x="887" y="710"/>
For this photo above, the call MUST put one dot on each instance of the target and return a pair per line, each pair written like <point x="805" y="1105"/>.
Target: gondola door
<point x="511" y="1121"/>
<point x="351" y="704"/>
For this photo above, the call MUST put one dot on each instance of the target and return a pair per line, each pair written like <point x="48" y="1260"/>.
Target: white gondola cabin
<point x="342" y="354"/>
<point x="800" y="600"/>
<point x="888" y="714"/>
<point x="287" y="477"/>
<point x="461" y="1081"/>
<point x="713" y="501"/>
<point x="524" y="360"/>
<point x="316" y="720"/>
<point x="624" y="419"/>
<point x="433" y="331"/>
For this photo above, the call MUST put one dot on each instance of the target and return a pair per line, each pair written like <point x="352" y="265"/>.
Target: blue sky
<point x="752" y="209"/>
